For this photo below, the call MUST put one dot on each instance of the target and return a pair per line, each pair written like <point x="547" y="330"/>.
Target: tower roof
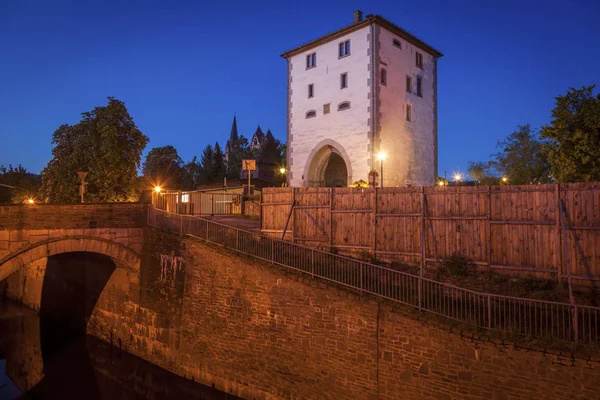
<point x="259" y="134"/>
<point x="233" y="137"/>
<point x="369" y="20"/>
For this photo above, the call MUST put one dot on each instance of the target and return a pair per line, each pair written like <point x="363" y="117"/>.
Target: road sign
<point x="249" y="165"/>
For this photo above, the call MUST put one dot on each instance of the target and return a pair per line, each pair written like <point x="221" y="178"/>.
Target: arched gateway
<point x="328" y="166"/>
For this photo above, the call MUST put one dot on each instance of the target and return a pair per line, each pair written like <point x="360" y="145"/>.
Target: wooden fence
<point x="535" y="229"/>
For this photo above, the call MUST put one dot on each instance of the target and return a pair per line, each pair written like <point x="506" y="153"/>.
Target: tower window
<point x="311" y="90"/>
<point x="344" y="106"/>
<point x="311" y="60"/>
<point x="397" y="43"/>
<point x="383" y="76"/>
<point x="344" y="80"/>
<point x="311" y="114"/>
<point x="408" y="112"/>
<point x="409" y="84"/>
<point x="326" y="108"/>
<point x="344" y="49"/>
<point x="419" y="60"/>
<point x="419" y="86"/>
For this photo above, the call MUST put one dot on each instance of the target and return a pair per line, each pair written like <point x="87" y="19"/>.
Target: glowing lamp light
<point x="381" y="156"/>
<point x="30" y="202"/>
<point x="504" y="179"/>
<point x="157" y="189"/>
<point x="441" y="183"/>
<point x="282" y="170"/>
<point x="457" y="177"/>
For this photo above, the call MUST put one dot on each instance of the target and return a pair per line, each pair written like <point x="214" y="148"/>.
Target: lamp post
<point x="381" y="156"/>
<point x="282" y="171"/>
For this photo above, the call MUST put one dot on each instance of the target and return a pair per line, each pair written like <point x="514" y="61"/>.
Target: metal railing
<point x="198" y="202"/>
<point x="516" y="316"/>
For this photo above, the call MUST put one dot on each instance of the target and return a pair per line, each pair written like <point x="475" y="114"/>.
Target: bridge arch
<point x="123" y="256"/>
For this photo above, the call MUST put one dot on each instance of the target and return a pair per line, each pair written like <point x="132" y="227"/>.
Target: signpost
<point x="249" y="165"/>
<point x="82" y="176"/>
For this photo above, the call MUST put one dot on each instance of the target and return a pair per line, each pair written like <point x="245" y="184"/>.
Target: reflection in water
<point x="85" y="368"/>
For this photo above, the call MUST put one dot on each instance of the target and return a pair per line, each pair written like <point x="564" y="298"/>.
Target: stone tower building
<point x="366" y="89"/>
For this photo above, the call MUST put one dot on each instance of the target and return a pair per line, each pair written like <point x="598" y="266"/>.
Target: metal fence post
<point x="272" y="250"/>
<point x="312" y="263"/>
<point x="361" y="276"/>
<point x="575" y="323"/>
<point x="420" y="294"/>
<point x="180" y="225"/>
<point x="489" y="307"/>
<point x="237" y="239"/>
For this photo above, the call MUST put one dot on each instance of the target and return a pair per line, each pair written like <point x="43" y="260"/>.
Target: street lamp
<point x="457" y="177"/>
<point x="381" y="156"/>
<point x="30" y="201"/>
<point x="157" y="189"/>
<point x="504" y="179"/>
<point x="282" y="171"/>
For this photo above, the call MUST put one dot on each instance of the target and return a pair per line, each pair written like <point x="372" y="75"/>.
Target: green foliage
<point x="522" y="159"/>
<point x="107" y="144"/>
<point x="219" y="167"/>
<point x="483" y="173"/>
<point x="573" y="136"/>
<point x="163" y="167"/>
<point x="26" y="184"/>
<point x="456" y="265"/>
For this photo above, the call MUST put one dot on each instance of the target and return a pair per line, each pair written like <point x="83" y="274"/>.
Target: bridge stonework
<point x="29" y="235"/>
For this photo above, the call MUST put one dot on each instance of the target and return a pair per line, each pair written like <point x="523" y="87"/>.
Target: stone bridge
<point x="31" y="235"/>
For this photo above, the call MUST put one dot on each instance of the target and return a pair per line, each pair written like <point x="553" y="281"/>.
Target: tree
<point x="163" y="167"/>
<point x="26" y="184"/>
<point x="192" y="174"/>
<point x="239" y="152"/>
<point x="522" y="160"/>
<point x="573" y="136"/>
<point x="483" y="173"/>
<point x="206" y="160"/>
<point x="219" y="166"/>
<point x="107" y="144"/>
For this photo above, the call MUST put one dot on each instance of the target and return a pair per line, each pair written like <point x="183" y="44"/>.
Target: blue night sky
<point x="184" y="68"/>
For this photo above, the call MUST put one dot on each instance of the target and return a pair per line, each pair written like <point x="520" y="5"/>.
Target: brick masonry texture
<point x="79" y="216"/>
<point x="259" y="332"/>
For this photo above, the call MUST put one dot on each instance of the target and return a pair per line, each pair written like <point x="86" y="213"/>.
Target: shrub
<point x="456" y="265"/>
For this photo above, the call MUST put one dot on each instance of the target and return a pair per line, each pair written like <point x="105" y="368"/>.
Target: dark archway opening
<point x="72" y="285"/>
<point x="335" y="173"/>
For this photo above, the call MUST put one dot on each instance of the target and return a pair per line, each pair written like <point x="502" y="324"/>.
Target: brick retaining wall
<point x="256" y="331"/>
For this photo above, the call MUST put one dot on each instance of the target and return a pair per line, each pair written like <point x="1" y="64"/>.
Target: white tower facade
<point x="368" y="88"/>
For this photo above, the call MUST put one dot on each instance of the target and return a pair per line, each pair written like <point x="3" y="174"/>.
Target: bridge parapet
<point x="80" y="216"/>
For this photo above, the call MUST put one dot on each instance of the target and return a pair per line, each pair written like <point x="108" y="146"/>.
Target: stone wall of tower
<point x="411" y="147"/>
<point x="349" y="129"/>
